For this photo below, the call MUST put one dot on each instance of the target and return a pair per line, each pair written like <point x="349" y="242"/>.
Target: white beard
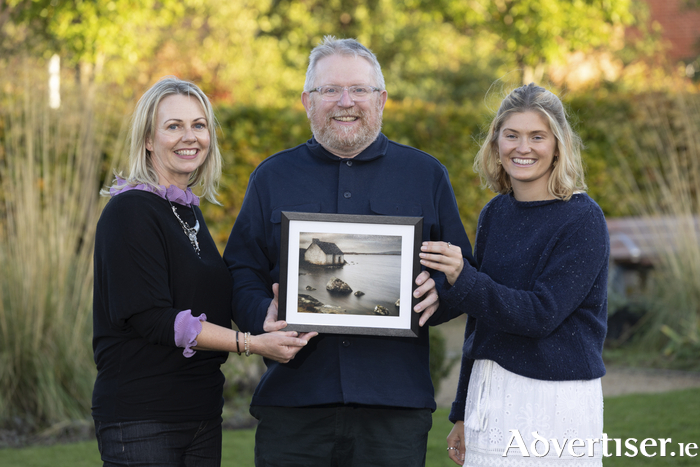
<point x="346" y="140"/>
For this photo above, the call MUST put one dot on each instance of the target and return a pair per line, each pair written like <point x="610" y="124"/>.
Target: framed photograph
<point x="349" y="274"/>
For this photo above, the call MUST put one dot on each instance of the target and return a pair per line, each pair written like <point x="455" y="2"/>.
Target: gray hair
<point x="141" y="169"/>
<point x="347" y="47"/>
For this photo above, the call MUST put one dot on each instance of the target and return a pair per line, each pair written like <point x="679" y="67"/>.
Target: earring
<point x="498" y="162"/>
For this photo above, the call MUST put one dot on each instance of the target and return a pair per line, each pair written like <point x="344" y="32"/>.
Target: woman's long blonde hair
<point x="567" y="176"/>
<point x="141" y="169"/>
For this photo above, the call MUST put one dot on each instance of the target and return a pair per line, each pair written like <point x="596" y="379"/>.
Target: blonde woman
<point x="529" y="389"/>
<point x="162" y="294"/>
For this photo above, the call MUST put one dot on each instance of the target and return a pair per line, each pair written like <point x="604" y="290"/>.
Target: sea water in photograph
<point x="349" y="273"/>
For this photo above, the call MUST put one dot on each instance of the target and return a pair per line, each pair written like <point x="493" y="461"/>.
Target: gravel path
<point x="616" y="382"/>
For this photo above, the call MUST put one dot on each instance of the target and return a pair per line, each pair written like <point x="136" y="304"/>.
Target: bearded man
<point x="345" y="400"/>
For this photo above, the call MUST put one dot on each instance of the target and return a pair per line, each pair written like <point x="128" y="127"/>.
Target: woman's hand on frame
<point x="280" y="346"/>
<point x="443" y="257"/>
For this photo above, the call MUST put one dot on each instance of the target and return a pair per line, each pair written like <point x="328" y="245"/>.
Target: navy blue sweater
<point x="537" y="305"/>
<point x="385" y="179"/>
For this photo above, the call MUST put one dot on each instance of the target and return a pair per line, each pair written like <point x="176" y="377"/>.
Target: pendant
<point x="190" y="232"/>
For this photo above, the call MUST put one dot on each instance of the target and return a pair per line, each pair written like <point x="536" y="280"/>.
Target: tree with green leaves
<point x="95" y="37"/>
<point x="255" y="51"/>
<point x="538" y="33"/>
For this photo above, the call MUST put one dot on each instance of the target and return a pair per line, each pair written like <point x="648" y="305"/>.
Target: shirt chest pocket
<point x="276" y="216"/>
<point x="392" y="208"/>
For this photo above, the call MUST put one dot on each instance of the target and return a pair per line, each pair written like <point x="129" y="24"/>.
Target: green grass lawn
<point x="674" y="415"/>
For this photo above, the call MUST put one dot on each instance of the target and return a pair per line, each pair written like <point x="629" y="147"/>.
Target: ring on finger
<point x="451" y="447"/>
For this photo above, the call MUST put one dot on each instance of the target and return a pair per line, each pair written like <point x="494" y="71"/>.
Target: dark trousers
<point x="153" y="443"/>
<point x="341" y="436"/>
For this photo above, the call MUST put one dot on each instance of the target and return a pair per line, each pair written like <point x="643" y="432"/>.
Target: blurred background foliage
<point x="254" y="51"/>
<point x="447" y="65"/>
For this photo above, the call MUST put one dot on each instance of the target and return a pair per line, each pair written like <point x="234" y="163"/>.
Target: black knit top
<point x="146" y="272"/>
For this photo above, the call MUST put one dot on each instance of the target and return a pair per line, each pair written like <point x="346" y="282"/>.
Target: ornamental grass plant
<point x="52" y="162"/>
<point x="665" y="188"/>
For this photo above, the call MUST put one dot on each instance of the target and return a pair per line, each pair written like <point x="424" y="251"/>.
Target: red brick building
<point x="681" y="26"/>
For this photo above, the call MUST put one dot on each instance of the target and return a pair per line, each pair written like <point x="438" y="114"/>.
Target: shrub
<point x="451" y="133"/>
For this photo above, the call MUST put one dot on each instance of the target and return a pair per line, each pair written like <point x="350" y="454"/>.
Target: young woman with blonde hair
<point x="536" y="303"/>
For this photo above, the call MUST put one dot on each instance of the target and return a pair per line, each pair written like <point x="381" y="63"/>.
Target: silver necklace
<point x="191" y="232"/>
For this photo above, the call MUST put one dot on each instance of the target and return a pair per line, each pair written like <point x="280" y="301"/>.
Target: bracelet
<point x="238" y="347"/>
<point x="246" y="344"/>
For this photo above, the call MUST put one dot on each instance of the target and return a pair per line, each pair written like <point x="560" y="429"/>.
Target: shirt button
<point x="346" y="342"/>
<point x="347" y="194"/>
<point x="349" y="163"/>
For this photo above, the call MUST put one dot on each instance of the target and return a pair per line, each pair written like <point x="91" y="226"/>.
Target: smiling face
<point x="526" y="148"/>
<point x="345" y="128"/>
<point x="181" y="142"/>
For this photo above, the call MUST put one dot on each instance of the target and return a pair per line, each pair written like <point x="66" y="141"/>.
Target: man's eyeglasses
<point x="357" y="93"/>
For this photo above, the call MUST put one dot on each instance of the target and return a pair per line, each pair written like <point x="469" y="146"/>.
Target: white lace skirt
<point x="504" y="409"/>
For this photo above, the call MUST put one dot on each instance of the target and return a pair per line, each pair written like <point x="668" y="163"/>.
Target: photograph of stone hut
<point x="325" y="254"/>
<point x="349" y="273"/>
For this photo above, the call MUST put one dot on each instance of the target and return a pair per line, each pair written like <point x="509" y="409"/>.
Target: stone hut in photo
<point x="324" y="254"/>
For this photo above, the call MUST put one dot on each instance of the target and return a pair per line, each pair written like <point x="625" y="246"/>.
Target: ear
<point x="149" y="143"/>
<point x="382" y="99"/>
<point x="305" y="101"/>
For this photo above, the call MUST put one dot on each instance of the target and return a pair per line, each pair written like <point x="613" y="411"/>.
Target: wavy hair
<point x="567" y="176"/>
<point x="142" y="128"/>
<point x="347" y="47"/>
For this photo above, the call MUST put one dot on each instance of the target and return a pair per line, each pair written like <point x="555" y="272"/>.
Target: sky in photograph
<point x="354" y="243"/>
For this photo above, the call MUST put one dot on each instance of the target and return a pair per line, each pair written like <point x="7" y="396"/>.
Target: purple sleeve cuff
<point x="187" y="328"/>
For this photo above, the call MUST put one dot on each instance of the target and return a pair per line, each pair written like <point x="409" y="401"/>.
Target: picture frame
<point x="349" y="274"/>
